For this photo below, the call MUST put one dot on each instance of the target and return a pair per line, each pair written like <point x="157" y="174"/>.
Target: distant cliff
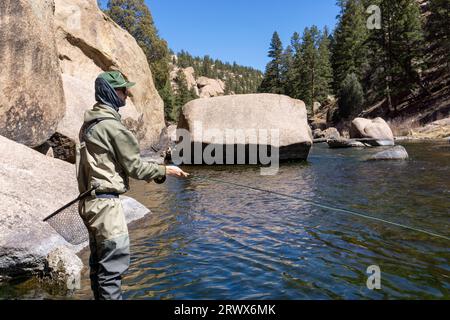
<point x="234" y="78"/>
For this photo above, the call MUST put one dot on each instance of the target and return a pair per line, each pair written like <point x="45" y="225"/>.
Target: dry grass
<point x="402" y="127"/>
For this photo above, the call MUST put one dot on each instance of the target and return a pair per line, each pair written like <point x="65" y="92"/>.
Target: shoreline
<point x="422" y="139"/>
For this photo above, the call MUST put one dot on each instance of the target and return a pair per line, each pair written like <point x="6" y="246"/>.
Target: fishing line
<point x="323" y="206"/>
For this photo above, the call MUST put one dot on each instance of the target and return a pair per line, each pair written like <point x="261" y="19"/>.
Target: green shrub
<point x="351" y="96"/>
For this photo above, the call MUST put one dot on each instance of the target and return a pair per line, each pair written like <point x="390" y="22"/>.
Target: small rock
<point x="63" y="147"/>
<point x="330" y="133"/>
<point x="345" y="143"/>
<point x="331" y="99"/>
<point x="65" y="267"/>
<point x="46" y="149"/>
<point x="318" y="134"/>
<point x="321" y="140"/>
<point x="377" y="143"/>
<point x="396" y="153"/>
<point x="318" y="124"/>
<point x="133" y="209"/>
<point x="316" y="107"/>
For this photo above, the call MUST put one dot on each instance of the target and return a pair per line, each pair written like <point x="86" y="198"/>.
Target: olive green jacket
<point x="108" y="154"/>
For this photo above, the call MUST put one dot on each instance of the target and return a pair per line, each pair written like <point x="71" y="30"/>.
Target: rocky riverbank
<point x="47" y="82"/>
<point x="34" y="186"/>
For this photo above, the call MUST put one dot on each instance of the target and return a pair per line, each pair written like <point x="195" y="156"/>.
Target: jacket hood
<point x="101" y="111"/>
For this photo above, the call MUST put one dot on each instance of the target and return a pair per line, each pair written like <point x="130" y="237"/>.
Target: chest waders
<point x="104" y="218"/>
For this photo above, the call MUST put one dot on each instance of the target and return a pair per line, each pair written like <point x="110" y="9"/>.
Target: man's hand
<point x="175" y="172"/>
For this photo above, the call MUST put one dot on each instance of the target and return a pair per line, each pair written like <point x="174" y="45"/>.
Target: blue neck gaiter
<point x="105" y="93"/>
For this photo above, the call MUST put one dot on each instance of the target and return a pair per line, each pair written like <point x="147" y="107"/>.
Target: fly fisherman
<point x="107" y="156"/>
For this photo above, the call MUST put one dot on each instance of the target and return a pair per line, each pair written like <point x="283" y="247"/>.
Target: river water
<point x="208" y="240"/>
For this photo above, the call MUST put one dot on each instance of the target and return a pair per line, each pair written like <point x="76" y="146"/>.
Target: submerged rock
<point x="395" y="153"/>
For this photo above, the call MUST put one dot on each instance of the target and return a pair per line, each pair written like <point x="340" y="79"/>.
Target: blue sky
<point x="237" y="30"/>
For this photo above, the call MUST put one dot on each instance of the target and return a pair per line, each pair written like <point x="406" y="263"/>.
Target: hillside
<point x="236" y="78"/>
<point x="398" y="69"/>
<point x="203" y="77"/>
<point x="425" y="111"/>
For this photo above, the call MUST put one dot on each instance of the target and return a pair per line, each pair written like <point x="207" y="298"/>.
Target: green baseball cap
<point x="116" y="79"/>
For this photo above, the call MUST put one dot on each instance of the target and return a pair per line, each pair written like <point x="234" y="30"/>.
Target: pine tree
<point x="349" y="52"/>
<point x="325" y="71"/>
<point x="206" y="67"/>
<point x="287" y="60"/>
<point x="311" y="72"/>
<point x="308" y="75"/>
<point x="292" y="58"/>
<point x="272" y="78"/>
<point x="396" y="50"/>
<point x="438" y="39"/>
<point x="351" y="97"/>
<point x="182" y="95"/>
<point x="296" y="42"/>
<point x="297" y="67"/>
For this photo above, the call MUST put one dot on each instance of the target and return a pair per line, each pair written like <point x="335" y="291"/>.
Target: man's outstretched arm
<point x="127" y="151"/>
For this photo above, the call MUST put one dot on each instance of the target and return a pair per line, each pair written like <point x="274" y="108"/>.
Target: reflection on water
<point x="206" y="240"/>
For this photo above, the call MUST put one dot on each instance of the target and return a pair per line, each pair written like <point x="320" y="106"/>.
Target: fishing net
<point x="69" y="224"/>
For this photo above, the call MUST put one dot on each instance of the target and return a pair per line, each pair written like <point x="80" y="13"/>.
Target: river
<point x="209" y="240"/>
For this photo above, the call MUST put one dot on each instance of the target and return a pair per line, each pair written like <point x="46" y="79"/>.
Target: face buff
<point x="105" y="93"/>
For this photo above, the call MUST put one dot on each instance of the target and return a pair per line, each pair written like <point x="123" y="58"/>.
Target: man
<point x="107" y="156"/>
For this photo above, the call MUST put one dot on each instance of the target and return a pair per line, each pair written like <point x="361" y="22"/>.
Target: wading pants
<point x="109" y="244"/>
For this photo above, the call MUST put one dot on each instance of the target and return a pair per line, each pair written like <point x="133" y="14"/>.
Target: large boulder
<point x="88" y="43"/>
<point x="31" y="90"/>
<point x="376" y="129"/>
<point x="34" y="186"/>
<point x="189" y="73"/>
<point x="249" y="114"/>
<point x="210" y="87"/>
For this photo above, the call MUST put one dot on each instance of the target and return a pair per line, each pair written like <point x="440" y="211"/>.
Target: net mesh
<point x="69" y="225"/>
